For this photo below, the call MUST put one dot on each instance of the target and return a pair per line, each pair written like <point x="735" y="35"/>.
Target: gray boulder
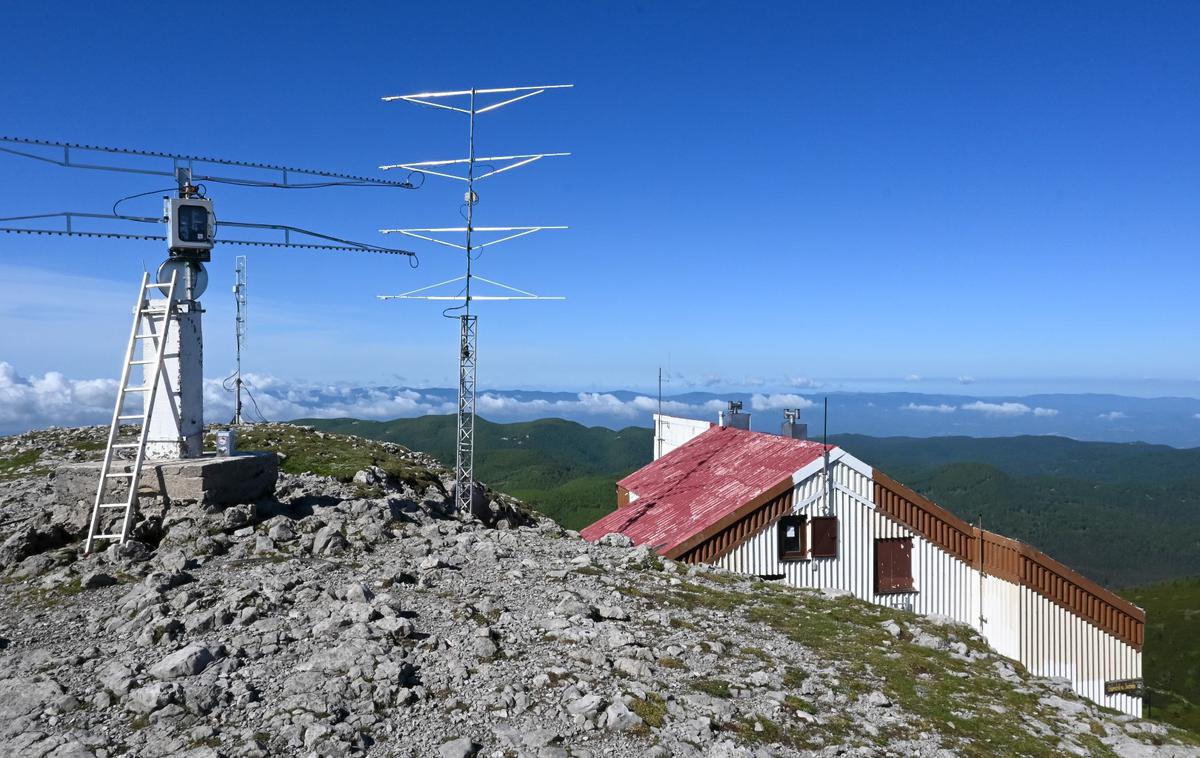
<point x="619" y="718"/>
<point x="462" y="747"/>
<point x="329" y="541"/>
<point x="188" y="661"/>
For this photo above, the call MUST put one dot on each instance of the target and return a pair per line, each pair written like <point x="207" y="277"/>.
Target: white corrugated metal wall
<point x="1017" y="622"/>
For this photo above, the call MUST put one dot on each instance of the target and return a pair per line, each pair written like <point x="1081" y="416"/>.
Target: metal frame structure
<point x="464" y="469"/>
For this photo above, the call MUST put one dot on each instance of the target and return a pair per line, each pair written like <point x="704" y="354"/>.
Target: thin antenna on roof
<point x="658" y="424"/>
<point x="828" y="480"/>
<point x="979" y="555"/>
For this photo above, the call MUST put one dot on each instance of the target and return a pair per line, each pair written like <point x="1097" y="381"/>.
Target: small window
<point x="893" y="566"/>
<point x="824" y="537"/>
<point x="791" y="538"/>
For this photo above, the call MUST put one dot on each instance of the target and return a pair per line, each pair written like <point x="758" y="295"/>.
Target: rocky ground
<point x="356" y="613"/>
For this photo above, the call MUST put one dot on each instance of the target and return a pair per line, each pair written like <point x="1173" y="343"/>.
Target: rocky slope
<point x="355" y="613"/>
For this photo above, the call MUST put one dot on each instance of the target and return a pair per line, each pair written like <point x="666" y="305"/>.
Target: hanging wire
<point x="132" y="197"/>
<point x="246" y="386"/>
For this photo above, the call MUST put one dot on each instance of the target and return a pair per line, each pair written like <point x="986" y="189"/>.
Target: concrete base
<point x="209" y="480"/>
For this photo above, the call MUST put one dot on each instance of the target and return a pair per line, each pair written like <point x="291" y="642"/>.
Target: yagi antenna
<point x="186" y="171"/>
<point x="464" y="470"/>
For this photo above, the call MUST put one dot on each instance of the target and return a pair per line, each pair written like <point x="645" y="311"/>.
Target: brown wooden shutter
<point x="883" y="565"/>
<point x="903" y="570"/>
<point x="825" y="537"/>
<point x="893" y="565"/>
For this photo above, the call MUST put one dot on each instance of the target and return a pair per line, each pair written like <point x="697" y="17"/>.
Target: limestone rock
<point x="188" y="661"/>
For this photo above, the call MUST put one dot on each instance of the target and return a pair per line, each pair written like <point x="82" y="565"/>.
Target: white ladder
<point x="152" y="355"/>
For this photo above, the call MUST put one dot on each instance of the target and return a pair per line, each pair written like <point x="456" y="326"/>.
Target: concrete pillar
<point x="177" y="421"/>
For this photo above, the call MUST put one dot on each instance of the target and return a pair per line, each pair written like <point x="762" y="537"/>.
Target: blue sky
<point x="871" y="196"/>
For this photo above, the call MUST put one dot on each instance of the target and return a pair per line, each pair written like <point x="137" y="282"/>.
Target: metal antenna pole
<point x="464" y="469"/>
<point x="239" y="294"/>
<point x="828" y="479"/>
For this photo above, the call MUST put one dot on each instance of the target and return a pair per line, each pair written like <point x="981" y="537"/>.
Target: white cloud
<point x="1197" y="415"/>
<point x="53" y="399"/>
<point x="803" y="382"/>
<point x="28" y="402"/>
<point x="998" y="409"/>
<point x="966" y="380"/>
<point x="913" y="378"/>
<point x="925" y="408"/>
<point x="755" y="381"/>
<point x="1008" y="409"/>
<point x="779" y="400"/>
<point x="1113" y="415"/>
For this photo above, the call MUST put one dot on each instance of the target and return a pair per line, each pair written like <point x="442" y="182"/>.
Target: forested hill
<point x="566" y="470"/>
<point x="1031" y="455"/>
<point x="1123" y="514"/>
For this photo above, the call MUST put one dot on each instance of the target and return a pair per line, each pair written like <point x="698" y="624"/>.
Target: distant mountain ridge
<point x="1107" y="418"/>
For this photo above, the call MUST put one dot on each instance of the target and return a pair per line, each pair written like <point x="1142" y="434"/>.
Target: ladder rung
<point x="116" y="476"/>
<point x="158" y="284"/>
<point x="132" y="415"/>
<point x="126" y="444"/>
<point x="114" y="505"/>
<point x="146" y="336"/>
<point x="106" y="537"/>
<point x="141" y="363"/>
<point x="137" y="389"/>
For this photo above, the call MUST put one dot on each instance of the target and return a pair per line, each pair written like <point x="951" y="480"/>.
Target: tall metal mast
<point x="464" y="469"/>
<point x="239" y="296"/>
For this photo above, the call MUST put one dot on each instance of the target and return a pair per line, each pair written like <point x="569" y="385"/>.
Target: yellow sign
<point x="1123" y="687"/>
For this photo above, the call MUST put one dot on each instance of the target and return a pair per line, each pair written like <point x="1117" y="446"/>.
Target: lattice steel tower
<point x="464" y="469"/>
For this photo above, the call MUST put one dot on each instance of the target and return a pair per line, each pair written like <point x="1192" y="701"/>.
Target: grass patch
<point x="714" y="687"/>
<point x="333" y="455"/>
<point x="652" y="710"/>
<point x="671" y="663"/>
<point x="794" y="677"/>
<point x="22" y="465"/>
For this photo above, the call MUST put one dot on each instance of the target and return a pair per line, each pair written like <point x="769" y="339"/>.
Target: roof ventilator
<point x="734" y="417"/>
<point x="791" y="425"/>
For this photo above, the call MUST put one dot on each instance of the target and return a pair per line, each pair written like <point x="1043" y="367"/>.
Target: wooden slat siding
<point x="718" y="545"/>
<point x="1013" y="561"/>
<point x="936" y="524"/>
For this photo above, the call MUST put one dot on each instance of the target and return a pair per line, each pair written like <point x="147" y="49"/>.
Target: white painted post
<point x="177" y="423"/>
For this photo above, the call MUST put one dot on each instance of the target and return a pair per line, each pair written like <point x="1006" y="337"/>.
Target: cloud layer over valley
<point x="32" y="401"/>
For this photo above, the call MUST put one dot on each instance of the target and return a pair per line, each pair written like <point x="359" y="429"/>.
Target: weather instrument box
<point x="191" y="227"/>
<point x="226" y="442"/>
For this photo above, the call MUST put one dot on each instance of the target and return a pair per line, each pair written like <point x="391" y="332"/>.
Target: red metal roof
<point x="701" y="482"/>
